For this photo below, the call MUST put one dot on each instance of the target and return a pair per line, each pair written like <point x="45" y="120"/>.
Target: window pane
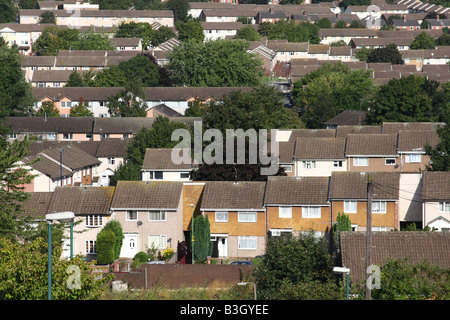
<point x="247" y="217"/>
<point x="285" y="212"/>
<point x="157" y="215"/>
<point x="221" y="216"/>
<point x="247" y="242"/>
<point x="131" y="215"/>
<point x="311" y="212"/>
<point x="350" y="206"/>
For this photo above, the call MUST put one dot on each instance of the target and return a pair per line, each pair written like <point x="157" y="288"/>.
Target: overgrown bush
<point x="106" y="240"/>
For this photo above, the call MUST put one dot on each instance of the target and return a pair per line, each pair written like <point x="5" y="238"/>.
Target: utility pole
<point x="369" y="237"/>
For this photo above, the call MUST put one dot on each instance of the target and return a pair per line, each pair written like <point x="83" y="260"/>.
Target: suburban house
<point x="349" y="195"/>
<point x="99" y="18"/>
<point x="331" y="35"/>
<point x="414" y="245"/>
<point x="237" y="217"/>
<point x="158" y="164"/>
<point x="220" y="30"/>
<point x="151" y="215"/>
<point x="297" y="204"/>
<point x="319" y="156"/>
<point x="372" y="152"/>
<point x="60" y="166"/>
<point x="411" y="149"/>
<point x="436" y="200"/>
<point x="91" y="208"/>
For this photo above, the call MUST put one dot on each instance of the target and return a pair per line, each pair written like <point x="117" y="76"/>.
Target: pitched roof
<point x="147" y="195"/>
<point x="297" y="190"/>
<point x="320" y="148"/>
<point x="72" y="157"/>
<point x="230" y="195"/>
<point x="343" y="131"/>
<point x="82" y="200"/>
<point x="51" y="124"/>
<point x="348" y="118"/>
<point x="353" y="185"/>
<point x="435" y="185"/>
<point x="415" y="245"/>
<point x="395" y="127"/>
<point x="47" y="167"/>
<point x="371" y="145"/>
<point x="161" y="159"/>
<point x="37" y="205"/>
<point x="415" y="140"/>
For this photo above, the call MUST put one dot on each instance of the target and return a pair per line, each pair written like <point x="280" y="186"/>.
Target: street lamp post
<point x="62" y="217"/>
<point x="60" y="150"/>
<point x="345" y="271"/>
<point x="192" y="233"/>
<point x="246" y="283"/>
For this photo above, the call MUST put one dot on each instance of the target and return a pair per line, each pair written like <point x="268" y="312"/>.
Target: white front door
<point x="129" y="246"/>
<point x="222" y="246"/>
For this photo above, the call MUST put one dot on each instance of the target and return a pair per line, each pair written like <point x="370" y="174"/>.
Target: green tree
<point x="116" y="228"/>
<point x="126" y="171"/>
<point x="343" y="223"/>
<point x="113" y="4"/>
<point x="27" y="4"/>
<point x="24" y="276"/>
<point x="363" y="54"/>
<point x="129" y="102"/>
<point x="156" y="37"/>
<point x="217" y="63"/>
<point x="403" y="280"/>
<point x="47" y="17"/>
<point x="330" y="90"/>
<point x="179" y="8"/>
<point x="324" y="23"/>
<point x="16" y="98"/>
<point x="113" y="76"/>
<point x="140" y="68"/>
<point x="90" y="40"/>
<point x="293" y="262"/>
<point x="356" y="24"/>
<point x="48" y="109"/>
<point x="389" y="54"/>
<point x="202" y="244"/>
<point x="440" y="154"/>
<point x="190" y="30"/>
<point x="105" y="246"/>
<point x="260" y="108"/>
<point x="158" y="136"/>
<point x="84" y="79"/>
<point x="422" y="41"/>
<point x="340" y="24"/>
<point x="248" y="33"/>
<point x="402" y="100"/>
<point x="81" y="109"/>
<point x="8" y="11"/>
<point x="132" y="29"/>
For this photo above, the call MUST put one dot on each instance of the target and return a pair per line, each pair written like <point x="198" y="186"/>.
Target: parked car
<point x="247" y="262"/>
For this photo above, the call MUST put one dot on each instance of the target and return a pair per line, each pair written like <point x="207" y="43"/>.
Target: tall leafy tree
<point x="217" y="63"/>
<point x="8" y="11"/>
<point x="48" y="109"/>
<point x="389" y="54"/>
<point x="202" y="244"/>
<point x="113" y="76"/>
<point x="15" y="94"/>
<point x="330" y="90"/>
<point x="190" y="30"/>
<point x="48" y="17"/>
<point x="141" y="68"/>
<point x="81" y="109"/>
<point x="179" y="8"/>
<point x="440" y="154"/>
<point x="402" y="100"/>
<point x="129" y="102"/>
<point x="422" y="41"/>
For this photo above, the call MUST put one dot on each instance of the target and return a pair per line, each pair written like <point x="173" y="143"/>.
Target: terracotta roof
<point x="231" y="195"/>
<point x="371" y="144"/>
<point x="353" y="185"/>
<point x="320" y="148"/>
<point x="415" y="245"/>
<point x="435" y="185"/>
<point x="82" y="200"/>
<point x="412" y="140"/>
<point x="161" y="159"/>
<point x="147" y="195"/>
<point x="297" y="190"/>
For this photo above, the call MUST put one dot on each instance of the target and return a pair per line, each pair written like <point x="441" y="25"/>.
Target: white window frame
<point x="308" y="165"/>
<point x="221" y="216"/>
<point x="66" y="104"/>
<point x="287" y="167"/>
<point x="309" y="213"/>
<point x="67" y="136"/>
<point x="382" y="229"/>
<point x="159" y="215"/>
<point x="348" y="206"/>
<point x="444" y="206"/>
<point x="242" y="214"/>
<point x="381" y="206"/>
<point x="390" y="159"/>
<point x="411" y="158"/>
<point x="162" y="239"/>
<point x="338" y="163"/>
<point x="247" y="242"/>
<point x="285" y="211"/>
<point x="358" y="162"/>
<point x="90" y="247"/>
<point x="127" y="217"/>
<point x="94" y="221"/>
<point x="111" y="160"/>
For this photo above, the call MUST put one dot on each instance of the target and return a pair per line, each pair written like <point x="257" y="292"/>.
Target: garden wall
<point x="176" y="276"/>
